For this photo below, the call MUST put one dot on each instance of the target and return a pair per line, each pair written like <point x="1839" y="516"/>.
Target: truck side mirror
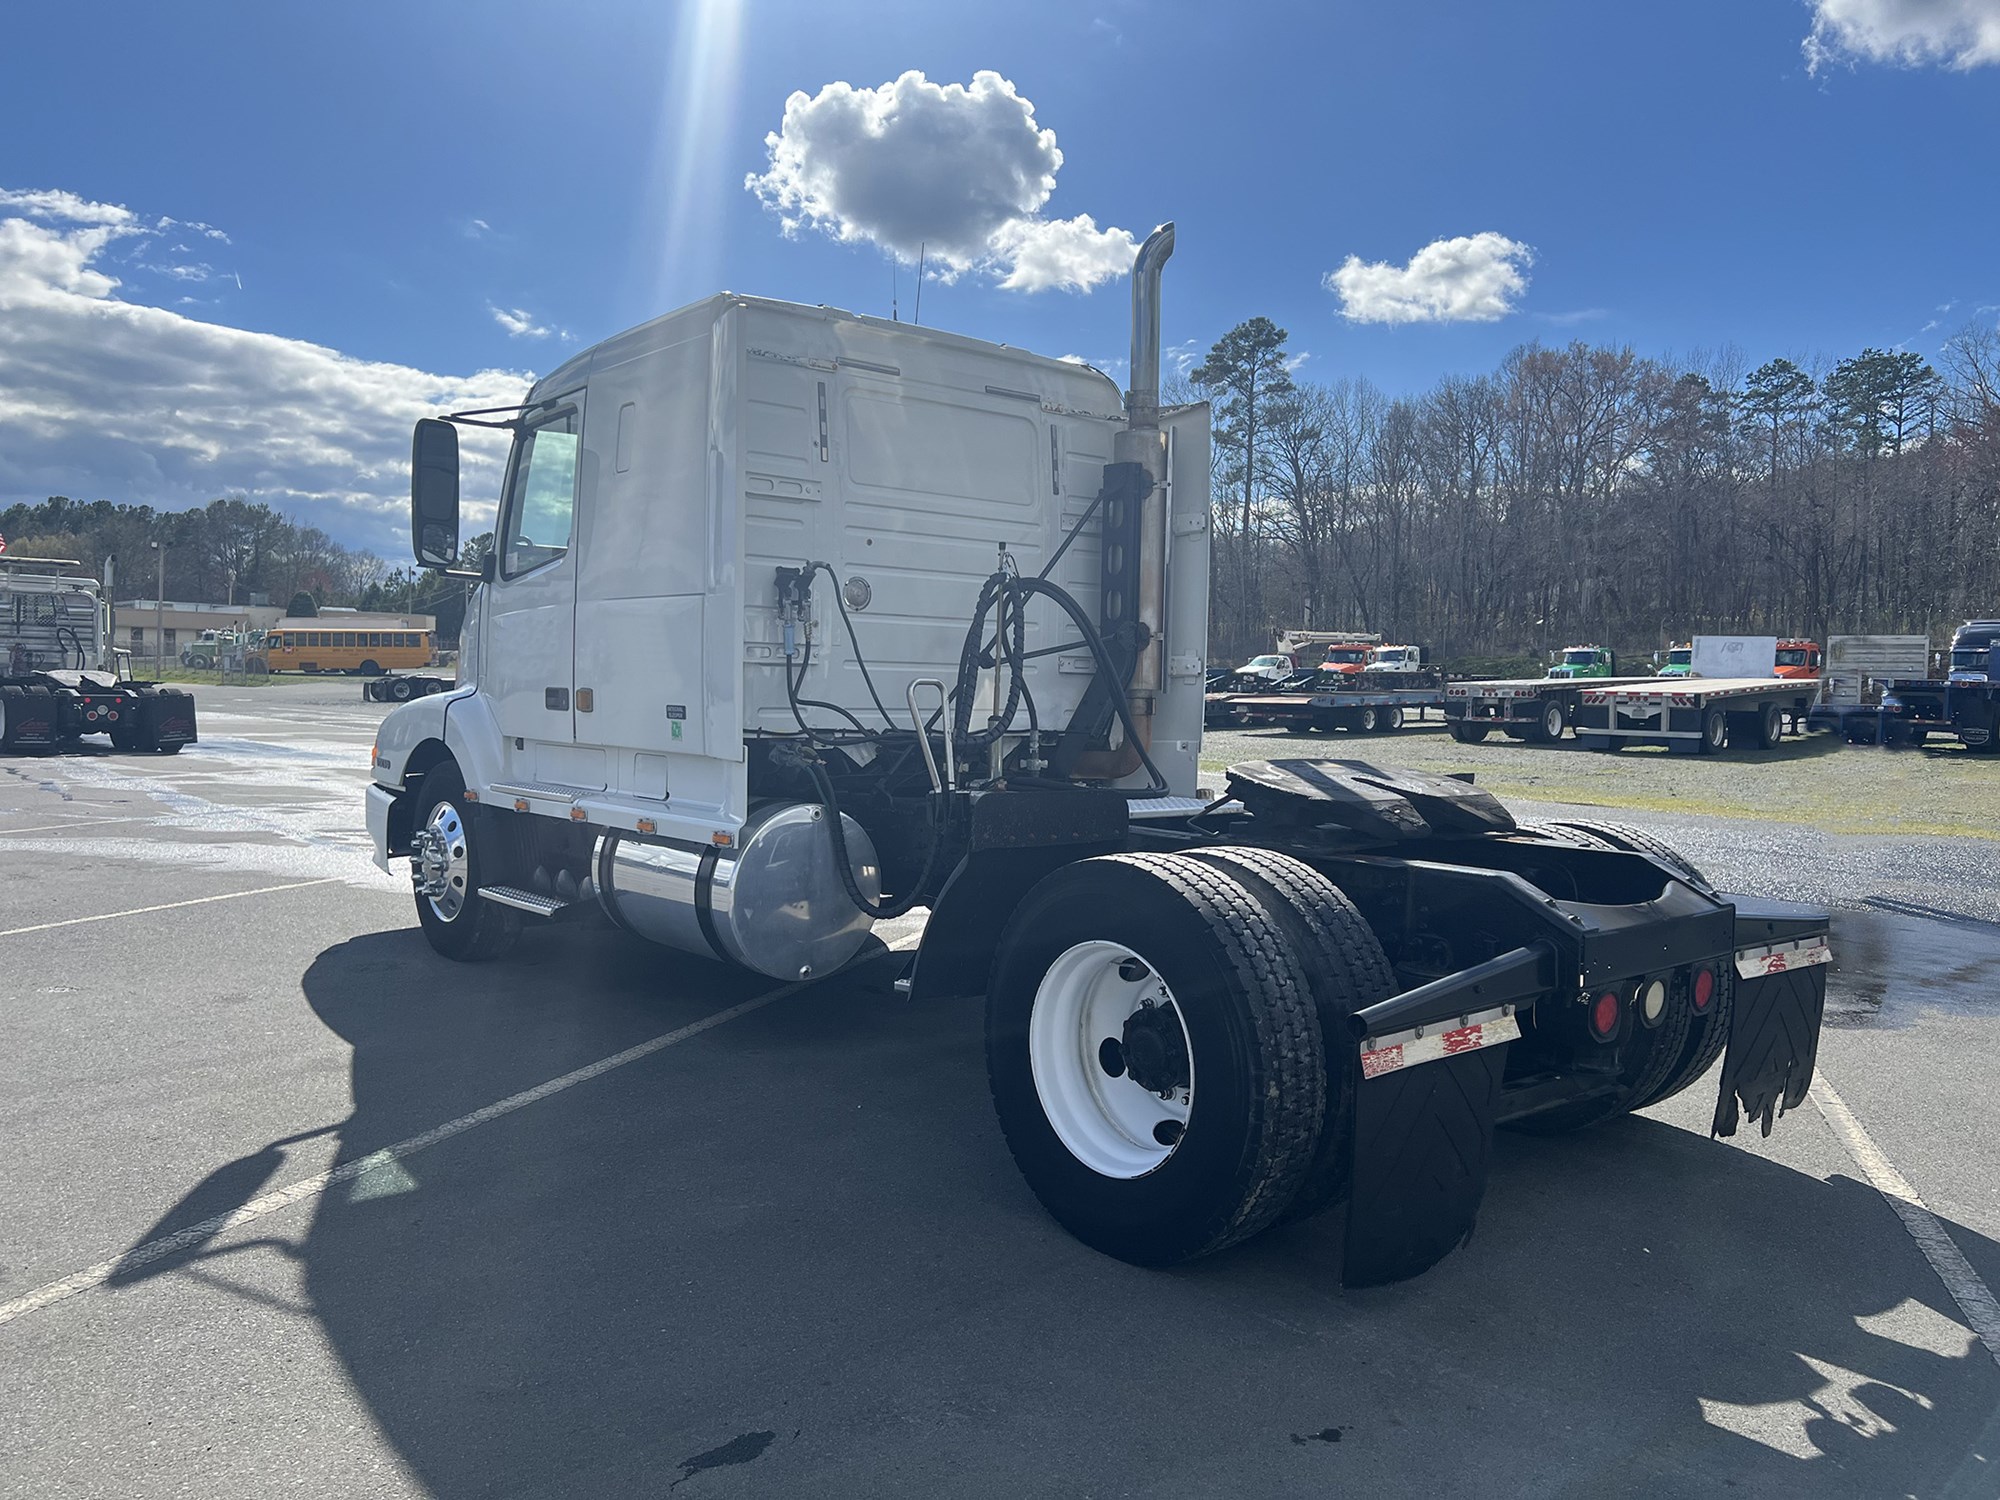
<point x="434" y="494"/>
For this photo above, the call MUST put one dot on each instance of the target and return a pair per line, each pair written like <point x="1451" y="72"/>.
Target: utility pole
<point x="160" y="612"/>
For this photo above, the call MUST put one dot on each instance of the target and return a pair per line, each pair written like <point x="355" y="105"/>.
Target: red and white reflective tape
<point x="1406" y="1049"/>
<point x="1778" y="958"/>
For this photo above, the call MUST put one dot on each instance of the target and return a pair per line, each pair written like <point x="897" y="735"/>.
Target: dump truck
<point x="799" y="621"/>
<point x="60" y="680"/>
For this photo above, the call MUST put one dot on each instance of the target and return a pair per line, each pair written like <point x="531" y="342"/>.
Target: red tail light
<point x="1605" y="1012"/>
<point x="1704" y="990"/>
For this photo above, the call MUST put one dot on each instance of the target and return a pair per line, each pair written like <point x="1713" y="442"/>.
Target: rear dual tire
<point x="1687" y="1042"/>
<point x="1247" y="959"/>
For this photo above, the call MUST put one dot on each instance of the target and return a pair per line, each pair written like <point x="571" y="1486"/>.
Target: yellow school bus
<point x="329" y="643"/>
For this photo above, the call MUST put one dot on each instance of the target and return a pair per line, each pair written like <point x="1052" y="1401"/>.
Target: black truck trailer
<point x="59" y="682"/>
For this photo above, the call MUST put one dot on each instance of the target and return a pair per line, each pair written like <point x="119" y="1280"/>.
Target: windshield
<point x="1341" y="654"/>
<point x="1579" y="658"/>
<point x="1267" y="661"/>
<point x="1791" y="658"/>
<point x="1970" y="658"/>
<point x="1684" y="657"/>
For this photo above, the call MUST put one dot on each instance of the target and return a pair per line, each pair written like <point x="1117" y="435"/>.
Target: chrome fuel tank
<point x="775" y="903"/>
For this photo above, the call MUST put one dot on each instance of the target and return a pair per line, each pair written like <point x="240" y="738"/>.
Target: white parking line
<point x="1975" y="1301"/>
<point x="140" y="911"/>
<point x="73" y="823"/>
<point x="312" y="1187"/>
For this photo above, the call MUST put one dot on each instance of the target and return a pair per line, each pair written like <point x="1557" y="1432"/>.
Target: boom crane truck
<point x="799" y="620"/>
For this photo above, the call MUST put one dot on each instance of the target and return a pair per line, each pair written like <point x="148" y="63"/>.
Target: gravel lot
<point x="768" y="1241"/>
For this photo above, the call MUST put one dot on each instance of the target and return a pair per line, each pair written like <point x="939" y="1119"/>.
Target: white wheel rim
<point x="1109" y="1122"/>
<point x="440" y="867"/>
<point x="1552" y="721"/>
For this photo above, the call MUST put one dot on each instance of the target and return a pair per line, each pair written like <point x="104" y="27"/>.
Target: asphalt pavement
<point x="290" y="1205"/>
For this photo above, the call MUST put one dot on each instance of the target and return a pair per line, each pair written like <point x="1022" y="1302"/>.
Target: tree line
<point x="229" y="552"/>
<point x="1591" y="495"/>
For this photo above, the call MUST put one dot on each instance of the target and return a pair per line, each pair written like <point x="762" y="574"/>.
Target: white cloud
<point x="68" y="208"/>
<point x="206" y="231"/>
<point x="1073" y="254"/>
<point x="957" y="172"/>
<point x="1471" y="279"/>
<point x="101" y="397"/>
<point x="520" y="323"/>
<point x="1909" y="33"/>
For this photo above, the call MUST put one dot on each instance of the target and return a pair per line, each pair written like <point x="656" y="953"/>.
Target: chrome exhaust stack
<point x="1143" y="443"/>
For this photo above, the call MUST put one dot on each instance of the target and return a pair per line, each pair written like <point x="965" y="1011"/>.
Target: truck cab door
<point x="530" y="605"/>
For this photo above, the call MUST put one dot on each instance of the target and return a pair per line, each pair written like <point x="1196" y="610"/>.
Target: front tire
<point x="1154" y="1056"/>
<point x="447" y="868"/>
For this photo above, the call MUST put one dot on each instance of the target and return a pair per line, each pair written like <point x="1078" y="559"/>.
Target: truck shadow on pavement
<point x="791" y="1256"/>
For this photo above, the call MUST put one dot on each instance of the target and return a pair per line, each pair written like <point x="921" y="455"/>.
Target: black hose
<point x="1088" y="629"/>
<point x="854" y="641"/>
<point x="880" y="911"/>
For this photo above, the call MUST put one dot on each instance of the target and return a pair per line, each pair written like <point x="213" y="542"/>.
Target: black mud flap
<point x="1422" y="1139"/>
<point x="1773" y="1042"/>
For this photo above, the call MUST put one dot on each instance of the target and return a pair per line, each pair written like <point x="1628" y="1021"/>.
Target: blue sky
<point x="447" y="195"/>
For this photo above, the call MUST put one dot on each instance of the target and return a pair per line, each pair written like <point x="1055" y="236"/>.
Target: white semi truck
<point x="800" y="620"/>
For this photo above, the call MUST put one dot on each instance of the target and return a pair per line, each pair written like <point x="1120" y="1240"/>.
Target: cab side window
<point x="541" y="494"/>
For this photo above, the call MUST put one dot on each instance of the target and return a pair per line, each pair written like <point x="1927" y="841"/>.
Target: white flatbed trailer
<point x="1536" y="709"/>
<point x="1694" y="715"/>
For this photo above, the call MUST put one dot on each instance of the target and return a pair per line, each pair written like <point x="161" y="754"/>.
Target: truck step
<point x="545" y="791"/>
<point x="531" y="902"/>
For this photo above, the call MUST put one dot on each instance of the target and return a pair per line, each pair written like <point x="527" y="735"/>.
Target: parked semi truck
<point x="1585" y="661"/>
<point x="1964" y="704"/>
<point x="801" y="620"/>
<point x="59" y="679"/>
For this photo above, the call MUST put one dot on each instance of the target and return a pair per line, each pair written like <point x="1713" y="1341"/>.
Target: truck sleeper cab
<point x="797" y="621"/>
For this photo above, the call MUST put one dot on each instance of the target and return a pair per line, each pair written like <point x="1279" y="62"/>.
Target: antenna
<point x="919" y="317"/>
<point x="894" y="316"/>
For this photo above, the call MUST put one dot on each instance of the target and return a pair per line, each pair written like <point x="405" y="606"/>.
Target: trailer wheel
<point x="1370" y="719"/>
<point x="1154" y="1056"/>
<point x="1714" y="732"/>
<point x="1549" y="727"/>
<point x="1394" y="719"/>
<point x="1468" y="734"/>
<point x="1770" y="727"/>
<point x="1346" y="971"/>
<point x="446" y="868"/>
<point x="399" y="690"/>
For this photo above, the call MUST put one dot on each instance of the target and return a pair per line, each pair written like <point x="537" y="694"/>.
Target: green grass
<point x="1817" y="781"/>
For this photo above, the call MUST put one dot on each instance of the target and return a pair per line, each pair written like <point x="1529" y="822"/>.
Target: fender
<point x="403" y="729"/>
<point x="472" y="735"/>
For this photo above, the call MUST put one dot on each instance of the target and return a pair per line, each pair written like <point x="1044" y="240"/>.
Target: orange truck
<point x="1799" y="659"/>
